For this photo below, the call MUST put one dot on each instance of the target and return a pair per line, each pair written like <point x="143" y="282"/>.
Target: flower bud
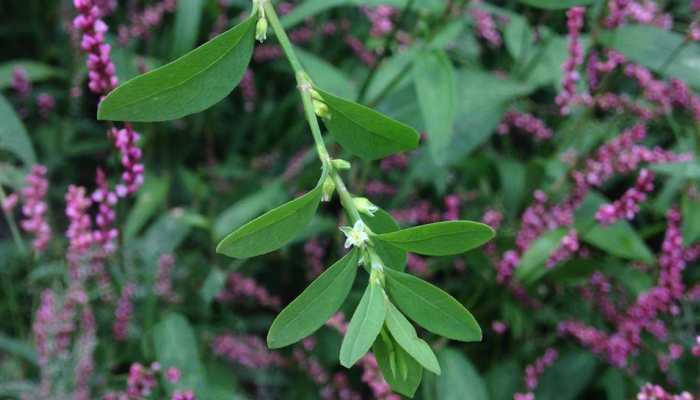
<point x="340" y="165"/>
<point x="321" y="109"/>
<point x="365" y="206"/>
<point x="261" y="29"/>
<point x="328" y="189"/>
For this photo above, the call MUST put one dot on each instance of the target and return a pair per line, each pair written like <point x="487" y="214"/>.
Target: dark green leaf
<point x="316" y="304"/>
<point x="383" y="222"/>
<point x="576" y="368"/>
<point x="151" y="196"/>
<point x="503" y="379"/>
<point x="310" y="8"/>
<point x="690" y="209"/>
<point x="532" y="263"/>
<point x="187" y="19"/>
<point x="557" y="4"/>
<point x="435" y="87"/>
<point x="18" y="348"/>
<point x="176" y="346"/>
<point x="365" y="132"/>
<point x="431" y="307"/>
<point x="13" y="135"/>
<point x="273" y="229"/>
<point x="364" y="326"/>
<point x="213" y="285"/>
<point x="399" y="370"/>
<point x="190" y="84"/>
<point x="405" y="335"/>
<point x="459" y="379"/>
<point x="440" y="238"/>
<point x="661" y="50"/>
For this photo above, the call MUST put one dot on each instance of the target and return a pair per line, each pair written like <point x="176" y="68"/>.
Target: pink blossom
<point x="20" y="82"/>
<point x="10" y="202"/>
<point x="239" y="287"/>
<point x="568" y="245"/>
<point x="486" y="27"/>
<point x="106" y="234"/>
<point x="173" y="375"/>
<point x="527" y="123"/>
<point x="568" y="95"/>
<point x="123" y="313"/>
<point x="627" y="206"/>
<point x="248" y="351"/>
<point x="144" y="22"/>
<point x="132" y="177"/>
<point x="101" y="70"/>
<point x="34" y="208"/>
<point x="46" y="104"/>
<point x="164" y="289"/>
<point x="184" y="395"/>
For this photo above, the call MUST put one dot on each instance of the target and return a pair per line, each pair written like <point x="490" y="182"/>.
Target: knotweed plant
<point x="392" y="298"/>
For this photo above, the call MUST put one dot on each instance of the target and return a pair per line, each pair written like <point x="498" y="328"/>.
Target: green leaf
<point x="35" y="71"/>
<point x="164" y="235"/>
<point x="618" y="239"/>
<point x="176" y="346"/>
<point x="502" y="380"/>
<point x="364" y="326"/>
<point x="556" y="4"/>
<point x="190" y="84"/>
<point x="459" y="379"/>
<point x="576" y="368"/>
<point x="316" y="304"/>
<point x="18" y="348"/>
<point x="399" y="370"/>
<point x="273" y="229"/>
<point x="513" y="176"/>
<point x="482" y="100"/>
<point x="365" y="132"/>
<point x="435" y="88"/>
<point x="431" y="307"/>
<point x="247" y="208"/>
<point x="613" y="381"/>
<point x="440" y="238"/>
<point x="13" y="135"/>
<point x="187" y="19"/>
<point x="406" y="336"/>
<point x="151" y="196"/>
<point x="213" y="285"/>
<point x="532" y="263"/>
<point x="383" y="222"/>
<point x="653" y="47"/>
<point x="690" y="210"/>
<point x="326" y="75"/>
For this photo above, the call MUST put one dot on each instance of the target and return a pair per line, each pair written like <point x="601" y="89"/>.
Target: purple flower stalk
<point x="79" y="231"/>
<point x="20" y="82"/>
<point x="525" y="122"/>
<point x="106" y="234"/>
<point x="164" y="284"/>
<point x="143" y="23"/>
<point x="34" y="208"/>
<point x="486" y="27"/>
<point x="240" y="287"/>
<point x="132" y="177"/>
<point x="123" y="313"/>
<point x="628" y="205"/>
<point x="380" y="17"/>
<point x="46" y="104"/>
<point x="101" y="70"/>
<point x="248" y="351"/>
<point x="568" y="245"/>
<point x="568" y="95"/>
<point x="534" y="371"/>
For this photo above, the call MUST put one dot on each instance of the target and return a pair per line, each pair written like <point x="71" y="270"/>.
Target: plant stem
<point x="13" y="226"/>
<point x="305" y="86"/>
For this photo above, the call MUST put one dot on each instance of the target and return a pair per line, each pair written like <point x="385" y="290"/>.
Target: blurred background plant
<point x="569" y="126"/>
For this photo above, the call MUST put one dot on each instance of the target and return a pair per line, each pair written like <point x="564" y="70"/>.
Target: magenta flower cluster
<point x="534" y="371"/>
<point x="239" y="288"/>
<point x="525" y="122"/>
<point x="485" y="26"/>
<point x="101" y="70"/>
<point x="34" y="208"/>
<point x="132" y="177"/>
<point x="568" y="95"/>
<point x="142" y="23"/>
<point x="380" y="17"/>
<point x="124" y="313"/>
<point x="627" y="206"/>
<point x="249" y="351"/>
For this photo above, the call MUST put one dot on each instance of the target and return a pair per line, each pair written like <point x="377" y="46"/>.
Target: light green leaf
<point x="690" y="209"/>
<point x="190" y="84"/>
<point x="35" y="71"/>
<point x="364" y="326"/>
<point x="440" y="238"/>
<point x="435" y="88"/>
<point x="13" y="135"/>
<point x="365" y="132"/>
<point x="556" y="4"/>
<point x="187" y="19"/>
<point x="618" y="239"/>
<point x="383" y="222"/>
<point x="459" y="379"/>
<point x="405" y="335"/>
<point x="431" y="307"/>
<point x="213" y="285"/>
<point x="326" y="75"/>
<point x="248" y="207"/>
<point x="532" y="263"/>
<point x="151" y="196"/>
<point x="273" y="229"/>
<point x="176" y="346"/>
<point x="653" y="47"/>
<point x="316" y="304"/>
<point x="399" y="370"/>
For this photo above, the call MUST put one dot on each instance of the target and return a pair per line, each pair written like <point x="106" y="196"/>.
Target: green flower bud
<point x="328" y="189"/>
<point x="321" y="109"/>
<point x="261" y="29"/>
<point x="340" y="165"/>
<point x="365" y="206"/>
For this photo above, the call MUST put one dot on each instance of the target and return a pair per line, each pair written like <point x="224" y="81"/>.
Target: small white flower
<point x="356" y="236"/>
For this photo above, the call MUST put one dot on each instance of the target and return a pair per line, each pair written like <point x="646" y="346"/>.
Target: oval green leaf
<point x="13" y="134"/>
<point x="365" y="132"/>
<point x="315" y="305"/>
<point x="441" y="238"/>
<point x="431" y="307"/>
<point x="556" y="4"/>
<point x="399" y="370"/>
<point x="365" y="325"/>
<point x="273" y="229"/>
<point x="190" y="84"/>
<point x="406" y="336"/>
